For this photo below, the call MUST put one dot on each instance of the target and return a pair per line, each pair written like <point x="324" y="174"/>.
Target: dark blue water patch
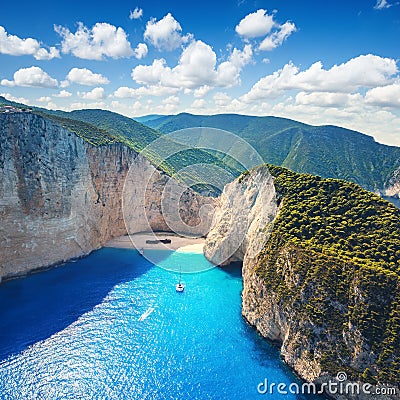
<point x="393" y="200"/>
<point x="112" y="326"/>
<point x="36" y="307"/>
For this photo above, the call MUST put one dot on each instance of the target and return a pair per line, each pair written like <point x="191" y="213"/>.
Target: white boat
<point x="180" y="287"/>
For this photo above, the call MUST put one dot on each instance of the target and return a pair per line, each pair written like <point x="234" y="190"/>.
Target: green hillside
<point x="101" y="127"/>
<point x="333" y="258"/>
<point x="328" y="151"/>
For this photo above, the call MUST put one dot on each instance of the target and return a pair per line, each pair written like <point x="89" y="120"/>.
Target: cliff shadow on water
<point x="234" y="269"/>
<point x="55" y="298"/>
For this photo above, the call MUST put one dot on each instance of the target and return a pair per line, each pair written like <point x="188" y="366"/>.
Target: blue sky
<point x="331" y="62"/>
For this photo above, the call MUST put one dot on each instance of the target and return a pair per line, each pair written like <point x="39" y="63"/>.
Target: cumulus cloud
<point x="15" y="46"/>
<point x="171" y="100"/>
<point x="136" y="13"/>
<point x="260" y="23"/>
<point x="202" y="91"/>
<point x="102" y="40"/>
<point x="44" y="99"/>
<point x="84" y="76"/>
<point x="366" y="71"/>
<point x="124" y="92"/>
<point x="188" y="75"/>
<point x="95" y="94"/>
<point x="32" y="76"/>
<point x="80" y="105"/>
<point x="221" y="99"/>
<point x="327" y="99"/>
<point x="255" y="24"/>
<point x="198" y="104"/>
<point x="278" y="37"/>
<point x="386" y="96"/>
<point x="10" y="97"/>
<point x="165" y="34"/>
<point x="63" y="94"/>
<point x="141" y="51"/>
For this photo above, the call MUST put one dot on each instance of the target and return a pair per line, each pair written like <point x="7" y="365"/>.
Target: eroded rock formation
<point x="61" y="197"/>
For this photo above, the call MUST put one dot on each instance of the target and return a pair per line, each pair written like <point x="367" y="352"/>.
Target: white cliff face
<point x="61" y="197"/>
<point x="246" y="206"/>
<point x="392" y="188"/>
<point x="243" y="218"/>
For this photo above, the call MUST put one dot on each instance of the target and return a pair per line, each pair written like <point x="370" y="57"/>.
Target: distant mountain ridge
<point x="146" y="118"/>
<point x="327" y="151"/>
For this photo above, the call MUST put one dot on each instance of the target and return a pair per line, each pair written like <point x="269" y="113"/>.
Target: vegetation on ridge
<point x="327" y="151"/>
<point x="100" y="127"/>
<point x="333" y="258"/>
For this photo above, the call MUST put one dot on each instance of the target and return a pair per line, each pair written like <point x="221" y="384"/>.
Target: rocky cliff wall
<point x="320" y="311"/>
<point x="243" y="218"/>
<point x="392" y="187"/>
<point x="61" y="197"/>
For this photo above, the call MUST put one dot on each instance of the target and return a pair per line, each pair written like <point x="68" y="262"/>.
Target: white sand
<point x="179" y="243"/>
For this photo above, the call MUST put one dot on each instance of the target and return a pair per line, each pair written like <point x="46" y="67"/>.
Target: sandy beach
<point x="178" y="243"/>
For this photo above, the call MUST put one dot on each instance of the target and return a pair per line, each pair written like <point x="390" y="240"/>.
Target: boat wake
<point x="146" y="314"/>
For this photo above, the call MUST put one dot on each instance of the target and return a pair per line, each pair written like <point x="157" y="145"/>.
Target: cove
<point x="111" y="326"/>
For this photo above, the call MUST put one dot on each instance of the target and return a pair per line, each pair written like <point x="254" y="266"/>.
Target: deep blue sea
<point x="112" y="326"/>
<point x="393" y="200"/>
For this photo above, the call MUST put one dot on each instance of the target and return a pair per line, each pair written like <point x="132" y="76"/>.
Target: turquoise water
<point x="111" y="326"/>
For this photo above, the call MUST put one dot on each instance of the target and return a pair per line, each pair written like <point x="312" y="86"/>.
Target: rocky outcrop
<point x="243" y="218"/>
<point x="61" y="197"/>
<point x="315" y="308"/>
<point x="392" y="187"/>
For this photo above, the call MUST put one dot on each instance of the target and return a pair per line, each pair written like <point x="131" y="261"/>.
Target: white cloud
<point x="327" y="99"/>
<point x="380" y="4"/>
<point x="141" y="51"/>
<point x="202" y="91"/>
<point x="366" y="71"/>
<point x="278" y="37"/>
<point x="255" y="24"/>
<point x="188" y="75"/>
<point x="81" y="105"/>
<point x="15" y="46"/>
<point x="386" y="96"/>
<point x="10" y="97"/>
<point x="84" y="76"/>
<point x="165" y="34"/>
<point x="32" y="76"/>
<point x="136" y="13"/>
<point x="95" y="94"/>
<point x="171" y="100"/>
<point x="221" y="99"/>
<point x="199" y="103"/>
<point x="63" y="94"/>
<point x="260" y="23"/>
<point x="44" y="99"/>
<point x="124" y="92"/>
<point x="102" y="40"/>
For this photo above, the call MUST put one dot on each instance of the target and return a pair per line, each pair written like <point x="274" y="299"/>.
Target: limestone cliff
<point x="61" y="197"/>
<point x="392" y="187"/>
<point x="243" y="218"/>
<point x="327" y="313"/>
